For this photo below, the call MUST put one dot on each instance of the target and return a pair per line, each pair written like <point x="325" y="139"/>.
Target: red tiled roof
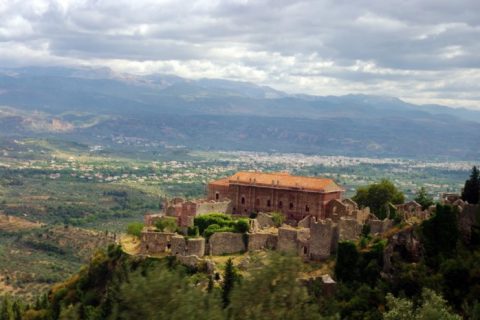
<point x="285" y="180"/>
<point x="220" y="182"/>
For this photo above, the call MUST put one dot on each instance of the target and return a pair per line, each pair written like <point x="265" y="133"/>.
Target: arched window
<point x="243" y="200"/>
<point x="291" y="206"/>
<point x="280" y="204"/>
<point x="269" y="203"/>
<point x="217" y="196"/>
<point x="307" y="209"/>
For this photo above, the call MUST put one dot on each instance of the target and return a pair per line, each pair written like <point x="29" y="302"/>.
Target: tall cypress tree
<point x="229" y="279"/>
<point x="471" y="191"/>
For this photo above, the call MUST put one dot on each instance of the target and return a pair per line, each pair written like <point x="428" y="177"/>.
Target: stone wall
<point x="348" y="229"/>
<point x="178" y="245"/>
<point x="196" y="246"/>
<point x="262" y="241"/>
<point x="305" y="222"/>
<point x="379" y="226"/>
<point x="322" y="239"/>
<point x="226" y="242"/>
<point x="150" y="219"/>
<point x="292" y="240"/>
<point x="264" y="220"/>
<point x="295" y="204"/>
<point x="212" y="206"/>
<point x="155" y="242"/>
<point x="335" y="209"/>
<point x="362" y="215"/>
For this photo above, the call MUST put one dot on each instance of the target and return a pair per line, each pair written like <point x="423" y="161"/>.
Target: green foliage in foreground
<point x="378" y="196"/>
<point x="209" y="224"/>
<point x="432" y="307"/>
<point x="116" y="286"/>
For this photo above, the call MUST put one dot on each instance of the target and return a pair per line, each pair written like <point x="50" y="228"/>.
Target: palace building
<point x="294" y="196"/>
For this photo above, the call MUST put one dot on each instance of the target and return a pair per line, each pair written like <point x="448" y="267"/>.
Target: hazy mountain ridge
<point x="222" y="114"/>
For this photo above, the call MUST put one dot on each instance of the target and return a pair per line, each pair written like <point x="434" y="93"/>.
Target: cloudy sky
<point x="424" y="51"/>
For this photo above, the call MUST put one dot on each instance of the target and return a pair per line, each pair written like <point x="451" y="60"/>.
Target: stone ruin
<point x="311" y="238"/>
<point x="185" y="211"/>
<point x="413" y="209"/>
<point x="153" y="242"/>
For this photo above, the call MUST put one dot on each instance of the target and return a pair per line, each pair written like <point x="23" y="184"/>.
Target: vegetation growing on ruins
<point x="423" y="198"/>
<point x="277" y="218"/>
<point x="166" y="224"/>
<point x="209" y="224"/>
<point x="135" y="229"/>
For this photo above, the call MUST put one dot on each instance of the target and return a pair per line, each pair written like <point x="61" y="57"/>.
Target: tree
<point x="378" y="196"/>
<point x="440" y="234"/>
<point x="423" y="198"/>
<point x="135" y="229"/>
<point x="433" y="307"/>
<point x="273" y="292"/>
<point x="471" y="191"/>
<point x="229" y="279"/>
<point x="347" y="260"/>
<point x="164" y="294"/>
<point x="167" y="224"/>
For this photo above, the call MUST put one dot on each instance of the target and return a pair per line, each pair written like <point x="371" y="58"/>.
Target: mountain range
<point x="102" y="107"/>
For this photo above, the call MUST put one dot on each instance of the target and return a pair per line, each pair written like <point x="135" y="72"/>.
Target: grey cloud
<point x="277" y="38"/>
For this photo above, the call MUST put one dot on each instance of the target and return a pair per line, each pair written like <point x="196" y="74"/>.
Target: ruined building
<point x="295" y="196"/>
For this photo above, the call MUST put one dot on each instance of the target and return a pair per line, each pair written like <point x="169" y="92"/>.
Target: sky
<point x="423" y="51"/>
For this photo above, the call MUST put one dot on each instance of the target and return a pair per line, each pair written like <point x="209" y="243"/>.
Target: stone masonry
<point x="226" y="243"/>
<point x="322" y="235"/>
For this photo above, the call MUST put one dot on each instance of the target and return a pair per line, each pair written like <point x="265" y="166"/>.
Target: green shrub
<point x="135" y="229"/>
<point x="204" y="221"/>
<point x="166" y="224"/>
<point x="216" y="222"/>
<point x="213" y="228"/>
<point x="241" y="226"/>
<point x="193" y="231"/>
<point x="278" y="218"/>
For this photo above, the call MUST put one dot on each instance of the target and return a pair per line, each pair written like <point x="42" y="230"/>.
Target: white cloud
<point x="424" y="51"/>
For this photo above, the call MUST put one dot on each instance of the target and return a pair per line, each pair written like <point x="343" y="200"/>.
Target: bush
<point x="278" y="218"/>
<point x="241" y="226"/>
<point x="214" y="228"/>
<point x="135" y="229"/>
<point x="216" y="222"/>
<point x="193" y="231"/>
<point x="347" y="259"/>
<point x="166" y="224"/>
